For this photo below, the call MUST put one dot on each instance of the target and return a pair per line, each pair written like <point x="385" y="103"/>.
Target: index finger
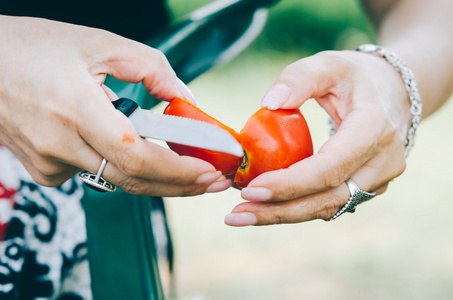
<point x="134" y="62"/>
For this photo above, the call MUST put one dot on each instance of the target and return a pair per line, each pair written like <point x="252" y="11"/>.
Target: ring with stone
<point x="95" y="181"/>
<point x="356" y="197"/>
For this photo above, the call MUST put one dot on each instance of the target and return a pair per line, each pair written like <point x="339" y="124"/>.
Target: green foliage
<point x="304" y="26"/>
<point x="312" y="25"/>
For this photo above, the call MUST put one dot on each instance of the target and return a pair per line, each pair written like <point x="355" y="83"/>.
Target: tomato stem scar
<point x="127" y="138"/>
<point x="244" y="162"/>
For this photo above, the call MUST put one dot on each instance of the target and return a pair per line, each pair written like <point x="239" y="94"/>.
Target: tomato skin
<point x="226" y="163"/>
<point x="272" y="140"/>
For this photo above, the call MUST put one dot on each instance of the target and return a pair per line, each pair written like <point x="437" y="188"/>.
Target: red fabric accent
<point x="7" y="199"/>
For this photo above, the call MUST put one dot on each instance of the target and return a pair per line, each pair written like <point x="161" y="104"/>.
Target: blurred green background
<point x="398" y="246"/>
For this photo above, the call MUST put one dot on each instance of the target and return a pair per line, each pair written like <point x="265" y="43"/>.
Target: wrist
<point x="408" y="79"/>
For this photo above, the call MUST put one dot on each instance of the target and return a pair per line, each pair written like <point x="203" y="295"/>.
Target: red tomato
<point x="224" y="162"/>
<point x="272" y="140"/>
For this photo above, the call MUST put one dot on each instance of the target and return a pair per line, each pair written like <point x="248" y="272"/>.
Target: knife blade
<point x="178" y="130"/>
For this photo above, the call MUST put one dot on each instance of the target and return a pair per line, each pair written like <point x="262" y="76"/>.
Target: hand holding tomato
<point x="366" y="98"/>
<point x="372" y="117"/>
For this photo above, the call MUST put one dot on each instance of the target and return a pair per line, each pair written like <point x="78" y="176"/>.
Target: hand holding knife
<point x="167" y="128"/>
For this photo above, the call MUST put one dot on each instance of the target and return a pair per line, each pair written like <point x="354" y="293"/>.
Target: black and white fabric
<point x="43" y="253"/>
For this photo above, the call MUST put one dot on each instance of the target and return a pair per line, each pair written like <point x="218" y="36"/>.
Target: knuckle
<point x="396" y="164"/>
<point x="291" y="190"/>
<point x="192" y="191"/>
<point x="129" y="164"/>
<point x="324" y="60"/>
<point x="181" y="179"/>
<point x="133" y="186"/>
<point x="327" y="209"/>
<point x="139" y="187"/>
<point x="188" y="190"/>
<point x="291" y="68"/>
<point x="49" y="181"/>
<point x="46" y="169"/>
<point x="382" y="189"/>
<point x="396" y="170"/>
<point x="160" y="60"/>
<point x="160" y="56"/>
<point x="278" y="218"/>
<point x="400" y="167"/>
<point x="334" y="177"/>
<point x="391" y="142"/>
<point x="43" y="148"/>
<point x="41" y="180"/>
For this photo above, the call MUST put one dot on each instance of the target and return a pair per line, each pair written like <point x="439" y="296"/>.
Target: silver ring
<point x="356" y="197"/>
<point x="96" y="182"/>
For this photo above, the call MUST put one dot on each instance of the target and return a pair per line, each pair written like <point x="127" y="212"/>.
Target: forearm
<point x="419" y="31"/>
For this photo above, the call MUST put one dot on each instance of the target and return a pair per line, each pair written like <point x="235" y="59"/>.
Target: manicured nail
<point x="276" y="96"/>
<point x="208" y="178"/>
<point x="186" y="91"/>
<point x="241" y="219"/>
<point x="219" y="186"/>
<point x="256" y="194"/>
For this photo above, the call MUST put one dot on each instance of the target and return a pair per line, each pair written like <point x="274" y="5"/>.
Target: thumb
<point x="311" y="77"/>
<point x="134" y="62"/>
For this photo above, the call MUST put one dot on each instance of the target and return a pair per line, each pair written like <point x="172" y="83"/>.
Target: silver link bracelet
<point x="410" y="85"/>
<point x="411" y="88"/>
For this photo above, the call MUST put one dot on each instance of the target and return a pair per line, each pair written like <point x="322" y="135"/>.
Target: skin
<point x="53" y="74"/>
<point x="366" y="98"/>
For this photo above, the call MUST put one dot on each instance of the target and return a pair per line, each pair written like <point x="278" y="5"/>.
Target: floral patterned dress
<point x="43" y="251"/>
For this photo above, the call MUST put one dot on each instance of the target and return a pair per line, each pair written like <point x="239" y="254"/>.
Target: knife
<point x="178" y="130"/>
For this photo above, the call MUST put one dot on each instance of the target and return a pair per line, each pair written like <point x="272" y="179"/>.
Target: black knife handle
<point x="125" y="105"/>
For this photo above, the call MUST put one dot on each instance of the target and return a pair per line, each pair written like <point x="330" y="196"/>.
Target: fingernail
<point x="241" y="219"/>
<point x="209" y="177"/>
<point x="276" y="96"/>
<point x="186" y="91"/>
<point x="219" y="186"/>
<point x="256" y="194"/>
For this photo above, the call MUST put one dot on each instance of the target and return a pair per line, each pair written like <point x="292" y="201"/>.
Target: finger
<point x="299" y="180"/>
<point x="317" y="206"/>
<point x="45" y="170"/>
<point x="383" y="188"/>
<point x="110" y="94"/>
<point x="155" y="164"/>
<point x="143" y="187"/>
<point x="311" y="77"/>
<point x="134" y="62"/>
<point x="54" y="175"/>
<point x="321" y="205"/>
<point x="336" y="161"/>
<point x="210" y="182"/>
<point x="206" y="183"/>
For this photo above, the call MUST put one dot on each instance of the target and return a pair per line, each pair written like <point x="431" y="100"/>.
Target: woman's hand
<point x="366" y="98"/>
<point x="56" y="115"/>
